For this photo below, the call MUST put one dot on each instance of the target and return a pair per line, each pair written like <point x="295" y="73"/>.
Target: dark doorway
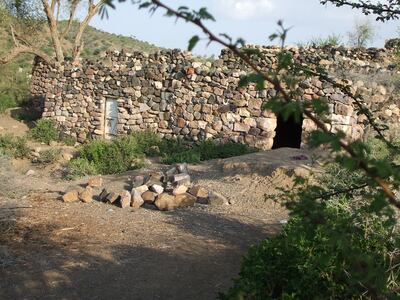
<point x="288" y="133"/>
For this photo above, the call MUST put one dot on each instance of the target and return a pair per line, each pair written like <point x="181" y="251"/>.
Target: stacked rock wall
<point x="176" y="96"/>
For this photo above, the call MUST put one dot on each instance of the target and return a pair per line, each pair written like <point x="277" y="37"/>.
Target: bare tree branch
<point x="16" y="43"/>
<point x="385" y="187"/>
<point x="26" y="49"/>
<point x="388" y="10"/>
<point x="93" y="9"/>
<point x="72" y="11"/>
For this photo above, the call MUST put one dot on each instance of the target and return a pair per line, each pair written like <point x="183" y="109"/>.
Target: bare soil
<point x="55" y="250"/>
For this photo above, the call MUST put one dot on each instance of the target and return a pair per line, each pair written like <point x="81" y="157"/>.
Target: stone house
<point x="175" y="95"/>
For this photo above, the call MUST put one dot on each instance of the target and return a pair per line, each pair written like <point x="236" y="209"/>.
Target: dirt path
<point x="54" y="250"/>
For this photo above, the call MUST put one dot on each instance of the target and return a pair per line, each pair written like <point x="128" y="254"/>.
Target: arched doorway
<point x="288" y="133"/>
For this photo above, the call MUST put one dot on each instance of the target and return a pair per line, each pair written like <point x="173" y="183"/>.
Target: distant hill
<point x="97" y="41"/>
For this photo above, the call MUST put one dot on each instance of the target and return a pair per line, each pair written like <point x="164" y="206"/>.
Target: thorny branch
<point x="384" y="185"/>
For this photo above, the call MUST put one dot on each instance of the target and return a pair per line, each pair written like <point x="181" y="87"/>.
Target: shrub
<point x="45" y="131"/>
<point x="128" y="152"/>
<point x="188" y="156"/>
<point x="378" y="149"/>
<point x="79" y="167"/>
<point x="362" y="34"/>
<point x="333" y="247"/>
<point x="14" y="146"/>
<point x="176" y="151"/>
<point x="49" y="156"/>
<point x="116" y="156"/>
<point x="69" y="141"/>
<point x="330" y="40"/>
<point x="6" y="102"/>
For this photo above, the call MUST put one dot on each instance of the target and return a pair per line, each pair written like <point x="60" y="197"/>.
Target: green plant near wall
<point x="16" y="147"/>
<point x="330" y="40"/>
<point x="45" y="131"/>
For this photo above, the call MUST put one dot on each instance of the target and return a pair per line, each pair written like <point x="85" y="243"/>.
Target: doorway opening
<point x="288" y="133"/>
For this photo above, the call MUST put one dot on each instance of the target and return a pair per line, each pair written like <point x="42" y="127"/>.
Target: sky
<point x="252" y="20"/>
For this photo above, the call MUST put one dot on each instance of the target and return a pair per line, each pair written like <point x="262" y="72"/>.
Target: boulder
<point x="141" y="189"/>
<point x="215" y="198"/>
<point x="157" y="188"/>
<point x="103" y="195"/>
<point x="125" y="199"/>
<point x="180" y="189"/>
<point x="181" y="179"/>
<point x="136" y="199"/>
<point x="71" y="196"/>
<point x="138" y="181"/>
<point x="111" y="197"/>
<point x="149" y="197"/>
<point x="199" y="191"/>
<point x="185" y="199"/>
<point x="182" y="168"/>
<point x="165" y="202"/>
<point x="95" y="182"/>
<point x="86" y="195"/>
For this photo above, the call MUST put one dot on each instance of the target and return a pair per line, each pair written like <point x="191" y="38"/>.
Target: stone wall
<point x="176" y="95"/>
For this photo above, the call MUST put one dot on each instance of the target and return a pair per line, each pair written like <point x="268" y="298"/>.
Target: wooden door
<point x="111" y="118"/>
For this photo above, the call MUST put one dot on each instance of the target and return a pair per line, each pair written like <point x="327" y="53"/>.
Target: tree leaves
<point x="193" y="42"/>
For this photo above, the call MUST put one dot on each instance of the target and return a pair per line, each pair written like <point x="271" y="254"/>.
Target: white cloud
<point x="245" y="9"/>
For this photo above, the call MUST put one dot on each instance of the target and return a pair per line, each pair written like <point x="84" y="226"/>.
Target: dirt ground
<point x="55" y="250"/>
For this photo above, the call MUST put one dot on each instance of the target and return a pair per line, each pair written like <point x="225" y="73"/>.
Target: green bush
<point x="45" y="131"/>
<point x="69" y="141"/>
<point x="14" y="146"/>
<point x="116" y="156"/>
<point x="49" y="156"/>
<point x="333" y="247"/>
<point x="188" y="156"/>
<point x="6" y="102"/>
<point x="79" y="167"/>
<point x="176" y="151"/>
<point x="128" y="152"/>
<point x="378" y="149"/>
<point x="319" y="262"/>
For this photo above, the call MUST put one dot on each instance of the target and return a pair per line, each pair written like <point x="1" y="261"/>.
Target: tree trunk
<point x="26" y="49"/>
<point x="54" y="32"/>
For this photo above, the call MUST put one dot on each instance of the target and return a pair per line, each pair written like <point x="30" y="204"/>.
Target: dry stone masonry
<point x="173" y="94"/>
<point x="162" y="190"/>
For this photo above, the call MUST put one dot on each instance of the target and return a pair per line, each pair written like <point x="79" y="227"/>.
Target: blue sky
<point x="253" y="20"/>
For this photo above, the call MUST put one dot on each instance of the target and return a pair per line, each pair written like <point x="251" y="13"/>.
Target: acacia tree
<point x="362" y="33"/>
<point x="46" y="12"/>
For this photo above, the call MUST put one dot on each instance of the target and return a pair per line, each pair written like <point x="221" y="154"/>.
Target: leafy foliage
<point x="177" y="151"/>
<point x="384" y="11"/>
<point x="45" y="131"/>
<point x="48" y="157"/>
<point x="128" y="152"/>
<point x="330" y="40"/>
<point x="14" y="146"/>
<point x="333" y="247"/>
